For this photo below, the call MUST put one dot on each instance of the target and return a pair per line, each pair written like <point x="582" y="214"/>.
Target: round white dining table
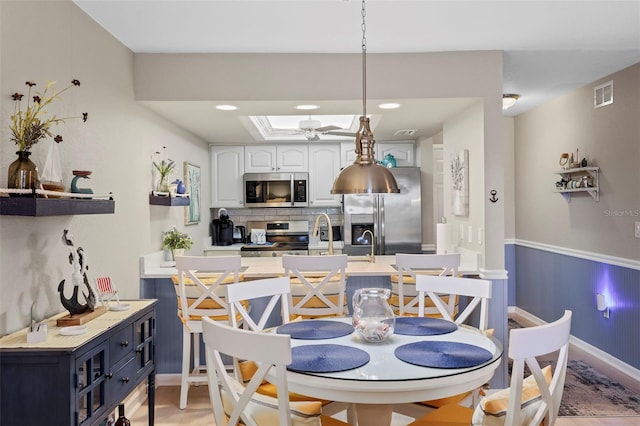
<point x="387" y="380"/>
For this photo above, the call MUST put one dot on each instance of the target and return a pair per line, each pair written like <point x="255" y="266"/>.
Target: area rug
<point x="589" y="393"/>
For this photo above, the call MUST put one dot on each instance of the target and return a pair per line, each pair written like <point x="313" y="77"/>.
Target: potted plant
<point x="163" y="168"/>
<point x="177" y="242"/>
<point x="30" y="125"/>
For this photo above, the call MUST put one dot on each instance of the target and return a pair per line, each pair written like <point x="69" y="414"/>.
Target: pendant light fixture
<point x="365" y="175"/>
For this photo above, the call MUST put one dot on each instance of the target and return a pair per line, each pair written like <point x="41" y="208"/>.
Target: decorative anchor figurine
<point x="78" y="259"/>
<point x="77" y="174"/>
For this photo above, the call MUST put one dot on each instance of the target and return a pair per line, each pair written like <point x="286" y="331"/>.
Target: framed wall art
<point x="459" y="166"/>
<point x="192" y="183"/>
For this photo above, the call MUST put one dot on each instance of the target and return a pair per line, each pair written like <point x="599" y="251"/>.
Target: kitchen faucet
<point x="316" y="229"/>
<point x="372" y="259"/>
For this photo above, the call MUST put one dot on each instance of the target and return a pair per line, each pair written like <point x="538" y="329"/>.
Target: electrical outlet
<point x="461" y="232"/>
<point x="470" y="234"/>
<point x="480" y="236"/>
<point x="637" y="229"/>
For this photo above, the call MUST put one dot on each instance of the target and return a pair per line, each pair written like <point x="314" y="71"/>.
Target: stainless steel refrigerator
<point x="394" y="219"/>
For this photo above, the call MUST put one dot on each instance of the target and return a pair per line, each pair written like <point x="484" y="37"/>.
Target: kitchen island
<point x="155" y="283"/>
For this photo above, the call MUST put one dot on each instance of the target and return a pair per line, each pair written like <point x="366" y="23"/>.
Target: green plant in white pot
<point x="177" y="242"/>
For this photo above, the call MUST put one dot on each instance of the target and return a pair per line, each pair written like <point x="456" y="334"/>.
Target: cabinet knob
<point x="109" y="375"/>
<point x="124" y="343"/>
<point x="125" y="380"/>
<point x="138" y="350"/>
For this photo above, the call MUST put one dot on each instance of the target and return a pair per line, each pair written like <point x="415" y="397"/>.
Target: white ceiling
<point x="550" y="47"/>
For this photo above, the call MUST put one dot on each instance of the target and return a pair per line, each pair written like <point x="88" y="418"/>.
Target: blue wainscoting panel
<point x="548" y="283"/>
<point x="510" y="266"/>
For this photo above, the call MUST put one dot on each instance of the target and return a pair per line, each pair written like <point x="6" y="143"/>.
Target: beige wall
<point x="166" y="77"/>
<point x="117" y="142"/>
<point x="609" y="137"/>
<point x="464" y="132"/>
<point x="509" y="179"/>
<point x="56" y="41"/>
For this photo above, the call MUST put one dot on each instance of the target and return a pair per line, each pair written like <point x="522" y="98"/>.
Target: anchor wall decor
<point x="78" y="259"/>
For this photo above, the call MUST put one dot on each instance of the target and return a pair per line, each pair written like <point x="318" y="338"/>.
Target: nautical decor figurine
<point x="77" y="174"/>
<point x="78" y="259"/>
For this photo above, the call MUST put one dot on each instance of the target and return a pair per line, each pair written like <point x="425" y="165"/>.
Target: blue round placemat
<point x="326" y="358"/>
<point x="442" y="354"/>
<point x="423" y="326"/>
<point x="315" y="329"/>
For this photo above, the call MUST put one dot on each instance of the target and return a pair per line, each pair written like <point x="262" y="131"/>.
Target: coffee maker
<point x="222" y="229"/>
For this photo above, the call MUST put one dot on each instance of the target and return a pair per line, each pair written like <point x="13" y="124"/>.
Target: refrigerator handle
<point x="292" y="190"/>
<point x="376" y="224"/>
<point x="382" y="222"/>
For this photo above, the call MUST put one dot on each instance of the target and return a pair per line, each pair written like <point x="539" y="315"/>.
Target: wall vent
<point x="603" y="94"/>
<point x="406" y="132"/>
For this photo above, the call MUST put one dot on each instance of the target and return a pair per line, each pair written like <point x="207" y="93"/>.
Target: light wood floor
<point x="198" y="412"/>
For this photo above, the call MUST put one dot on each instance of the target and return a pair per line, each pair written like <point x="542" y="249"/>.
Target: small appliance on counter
<point x="222" y="229"/>
<point x="239" y="234"/>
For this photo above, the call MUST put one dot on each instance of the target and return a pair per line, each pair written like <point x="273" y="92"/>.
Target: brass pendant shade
<point x="365" y="175"/>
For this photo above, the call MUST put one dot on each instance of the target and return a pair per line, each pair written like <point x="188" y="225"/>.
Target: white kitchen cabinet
<point x="227" y="168"/>
<point x="347" y="153"/>
<point x="324" y="166"/>
<point x="403" y="152"/>
<point x="276" y="158"/>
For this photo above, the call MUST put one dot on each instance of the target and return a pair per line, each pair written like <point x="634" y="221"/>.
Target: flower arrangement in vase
<point x="176" y="241"/>
<point x="163" y="168"/>
<point x="30" y="125"/>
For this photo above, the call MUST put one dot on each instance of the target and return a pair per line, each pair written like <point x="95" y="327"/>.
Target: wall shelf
<point x="30" y="206"/>
<point x="157" y="200"/>
<point x="577" y="174"/>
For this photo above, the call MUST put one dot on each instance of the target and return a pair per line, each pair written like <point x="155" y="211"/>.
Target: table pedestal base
<point x="374" y="414"/>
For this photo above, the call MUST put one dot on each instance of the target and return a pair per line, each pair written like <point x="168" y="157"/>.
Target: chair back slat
<point x="405" y="298"/>
<point x="318" y="284"/>
<point x="201" y="282"/>
<point x="478" y="291"/>
<point x="276" y="289"/>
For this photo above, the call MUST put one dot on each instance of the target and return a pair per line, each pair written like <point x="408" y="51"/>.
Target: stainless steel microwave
<point x="276" y="189"/>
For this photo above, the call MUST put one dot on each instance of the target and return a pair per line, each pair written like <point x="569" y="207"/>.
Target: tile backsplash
<point x="240" y="216"/>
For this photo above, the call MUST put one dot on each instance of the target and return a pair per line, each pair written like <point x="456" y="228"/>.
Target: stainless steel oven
<point x="276" y="189"/>
<point x="282" y="237"/>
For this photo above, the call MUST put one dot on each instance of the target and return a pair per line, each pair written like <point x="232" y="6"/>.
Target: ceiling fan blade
<point x="336" y="133"/>
<point x="328" y="128"/>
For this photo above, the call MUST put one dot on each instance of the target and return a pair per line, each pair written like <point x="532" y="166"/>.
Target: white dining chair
<point x="436" y="288"/>
<point x="318" y="284"/>
<point x="530" y="401"/>
<point x="276" y="292"/>
<point x="200" y="292"/>
<point x="404" y="297"/>
<point x="239" y="403"/>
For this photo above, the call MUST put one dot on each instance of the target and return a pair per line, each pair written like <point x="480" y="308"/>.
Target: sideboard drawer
<point x="121" y="344"/>
<point x="122" y="381"/>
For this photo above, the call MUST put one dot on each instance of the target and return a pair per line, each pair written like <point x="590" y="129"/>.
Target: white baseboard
<point x="602" y="357"/>
<point x="168" y="379"/>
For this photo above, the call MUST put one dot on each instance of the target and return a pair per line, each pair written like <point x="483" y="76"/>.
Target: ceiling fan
<point x="312" y="129"/>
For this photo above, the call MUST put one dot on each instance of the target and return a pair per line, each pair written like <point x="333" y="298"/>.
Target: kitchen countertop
<point x="153" y="266"/>
<point x="313" y="245"/>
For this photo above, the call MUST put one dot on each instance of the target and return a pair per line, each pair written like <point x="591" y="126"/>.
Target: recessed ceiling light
<point x="390" y="105"/>
<point x="226" y="107"/>
<point x="307" y="107"/>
